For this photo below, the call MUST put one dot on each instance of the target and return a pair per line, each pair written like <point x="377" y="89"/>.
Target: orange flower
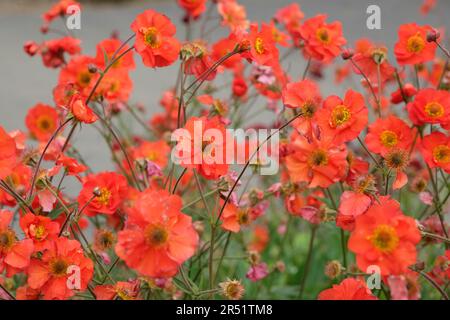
<point x="368" y="56"/>
<point x="260" y="239"/>
<point x="59" y="9"/>
<point x="233" y="15"/>
<point x="103" y="193"/>
<point x="233" y="217"/>
<point x="430" y="106"/>
<point x="343" y="119"/>
<point x="262" y="46"/>
<point x="223" y="47"/>
<point x="14" y="254"/>
<point x="116" y="86"/>
<point x="42" y="230"/>
<point x="194" y="8"/>
<point x="77" y="72"/>
<point x="80" y="110"/>
<point x="157" y="238"/>
<point x="435" y="150"/>
<point x="348" y="289"/>
<point x="320" y="163"/>
<point x="290" y="16"/>
<point x="107" y="48"/>
<point x="323" y="41"/>
<point x="154" y="151"/>
<point x="71" y="165"/>
<point x="389" y="133"/>
<point x="8" y="154"/>
<point x="154" y="39"/>
<point x="19" y="179"/>
<point x="412" y="46"/>
<point x="304" y="95"/>
<point x="42" y="121"/>
<point x="199" y="61"/>
<point x="385" y="237"/>
<point x="205" y="154"/>
<point x="52" y="272"/>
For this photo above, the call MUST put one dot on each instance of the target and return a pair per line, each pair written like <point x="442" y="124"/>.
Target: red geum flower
<point x="290" y="17"/>
<point x="71" y="165"/>
<point x="107" y="48"/>
<point x="430" y="106"/>
<point x="385" y="237"/>
<point x="154" y="39"/>
<point x="319" y="162"/>
<point x="304" y="95"/>
<point x="412" y="46"/>
<point x="348" y="289"/>
<point x="233" y="217"/>
<point x="116" y="86"/>
<point x="435" y="149"/>
<point x="52" y="272"/>
<point x="323" y="41"/>
<point x="234" y="15"/>
<point x="77" y="72"/>
<point x="199" y="61"/>
<point x="42" y="230"/>
<point x="8" y="154"/>
<point x="202" y="145"/>
<point x="223" y="47"/>
<point x="53" y="51"/>
<point x="154" y="151"/>
<point x="193" y="8"/>
<point x="14" y="254"/>
<point x="42" y="121"/>
<point x="262" y="49"/>
<point x="343" y="119"/>
<point x="128" y="290"/>
<point x="19" y="179"/>
<point x="103" y="193"/>
<point x="80" y="110"/>
<point x="389" y="133"/>
<point x="157" y="238"/>
<point x="367" y="57"/>
<point x="59" y="10"/>
<point x="406" y="92"/>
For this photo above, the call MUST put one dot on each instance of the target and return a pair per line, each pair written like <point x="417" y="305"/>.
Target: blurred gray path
<point x="24" y="81"/>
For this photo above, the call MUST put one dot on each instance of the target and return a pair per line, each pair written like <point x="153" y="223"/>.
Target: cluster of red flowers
<point x="361" y="163"/>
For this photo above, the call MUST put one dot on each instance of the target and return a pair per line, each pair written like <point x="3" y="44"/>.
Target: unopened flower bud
<point x="92" y="68"/>
<point x="31" y="48"/>
<point x="433" y="35"/>
<point x="347" y="54"/>
<point x="97" y="192"/>
<point x="280" y="266"/>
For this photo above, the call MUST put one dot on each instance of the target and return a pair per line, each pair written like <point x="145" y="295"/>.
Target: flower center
<point x="434" y="109"/>
<point x="323" y="35"/>
<point x="44" y="123"/>
<point x="58" y="267"/>
<point x="151" y="37"/>
<point x="388" y="138"/>
<point x="7" y="239"/>
<point x="384" y="238"/>
<point x="156" y="235"/>
<point x="104" y="197"/>
<point x="397" y="159"/>
<point x="441" y="154"/>
<point x="259" y="45"/>
<point x="38" y="232"/>
<point x="340" y="115"/>
<point x="415" y="43"/>
<point x="308" y="108"/>
<point x="84" y="78"/>
<point x="318" y="158"/>
<point x="243" y="217"/>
